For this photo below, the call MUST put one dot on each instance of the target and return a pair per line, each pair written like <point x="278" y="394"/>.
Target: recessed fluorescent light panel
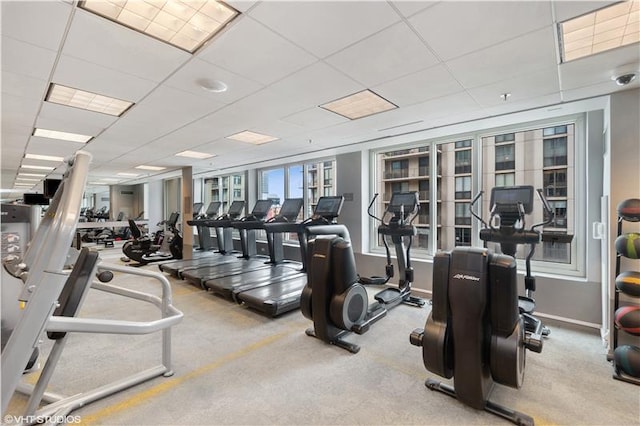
<point x="27" y="179"/>
<point x="358" y="105"/>
<point x="184" y="24"/>
<point x="194" y="154"/>
<point x="599" y="31"/>
<point x="27" y="166"/>
<point x="128" y="174"/>
<point x="43" y="157"/>
<point x="153" y="168"/>
<point x="63" y="95"/>
<point x="31" y="174"/>
<point x="64" y="136"/>
<point x="252" y="137"/>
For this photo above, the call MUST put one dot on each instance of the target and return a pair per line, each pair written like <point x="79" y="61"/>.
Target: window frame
<point x="576" y="268"/>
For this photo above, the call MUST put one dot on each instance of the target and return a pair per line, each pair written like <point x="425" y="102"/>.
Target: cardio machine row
<point x="270" y="284"/>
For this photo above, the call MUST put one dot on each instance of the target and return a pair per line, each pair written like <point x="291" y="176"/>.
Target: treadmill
<point x="277" y="267"/>
<point x="282" y="294"/>
<point x="204" y="237"/>
<point x="203" y="232"/>
<point x="247" y="227"/>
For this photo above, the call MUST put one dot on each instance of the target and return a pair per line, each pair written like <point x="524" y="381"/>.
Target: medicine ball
<point x="628" y="245"/>
<point x="627" y="359"/>
<point x="630" y="209"/>
<point x="629" y="283"/>
<point x="627" y="319"/>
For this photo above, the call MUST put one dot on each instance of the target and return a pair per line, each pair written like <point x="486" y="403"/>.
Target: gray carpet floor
<point x="235" y="366"/>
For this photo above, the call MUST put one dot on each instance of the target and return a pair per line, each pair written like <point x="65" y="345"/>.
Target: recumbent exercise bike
<point x="476" y="332"/>
<point x="335" y="297"/>
<point x="143" y="249"/>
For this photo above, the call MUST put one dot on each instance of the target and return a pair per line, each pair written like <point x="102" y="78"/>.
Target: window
<point x="559" y="209"/>
<point x="423" y="166"/>
<point x="540" y="155"/>
<point x="463" y="161"/>
<point x="463" y="214"/>
<point x="423" y="190"/>
<point x="463" y="187"/>
<point x="463" y="237"/>
<point x="547" y="147"/>
<point x="505" y="157"/>
<point x="509" y="137"/>
<point x="272" y="188"/>
<point x="219" y="189"/>
<point x="398" y="169"/>
<point x="555" y="183"/>
<point x="555" y="152"/>
<point x="309" y="181"/>
<point x="505" y="179"/>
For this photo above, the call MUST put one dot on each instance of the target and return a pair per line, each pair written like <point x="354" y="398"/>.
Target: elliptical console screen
<point x="236" y="208"/>
<point x="407" y="199"/>
<point x="329" y="206"/>
<point x="510" y="195"/>
<point x="291" y="208"/>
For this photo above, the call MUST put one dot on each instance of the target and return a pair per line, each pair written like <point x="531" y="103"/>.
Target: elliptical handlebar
<point x="547" y="209"/>
<point x="373" y="200"/>
<point x="474" y="214"/>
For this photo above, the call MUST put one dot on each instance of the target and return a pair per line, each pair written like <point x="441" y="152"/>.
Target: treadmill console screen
<point x="291" y="208"/>
<point x="407" y="199"/>
<point x="329" y="206"/>
<point x="173" y="219"/>
<point x="261" y="208"/>
<point x="212" y="209"/>
<point x="236" y="208"/>
<point x="196" y="208"/>
<point x="511" y="195"/>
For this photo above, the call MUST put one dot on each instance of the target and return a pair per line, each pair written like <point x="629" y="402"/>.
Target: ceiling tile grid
<point x="439" y="62"/>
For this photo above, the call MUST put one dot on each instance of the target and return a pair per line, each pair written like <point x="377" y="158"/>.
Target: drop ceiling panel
<point x="277" y="128"/>
<point x="315" y="118"/>
<point x="570" y="9"/>
<point x="387" y="55"/>
<point x="325" y="27"/>
<point x="599" y="68"/>
<point x="267" y="58"/>
<point x="188" y="79"/>
<point x="23" y="86"/>
<point x="443" y="107"/>
<point x="531" y="52"/>
<point x="53" y="146"/>
<point x="84" y="118"/>
<point x="18" y="111"/>
<point x="37" y="22"/>
<point x="454" y="29"/>
<point x="23" y="58"/>
<point x="241" y="5"/>
<point x="523" y="105"/>
<point x="70" y="126"/>
<point x="526" y="86"/>
<point x="98" y="40"/>
<point x="408" y="8"/>
<point x="596" y="90"/>
<point x="119" y="84"/>
<point x="420" y="86"/>
<point x="315" y="85"/>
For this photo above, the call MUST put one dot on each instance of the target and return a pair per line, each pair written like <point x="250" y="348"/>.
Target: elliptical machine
<point x="335" y="297"/>
<point x="508" y="208"/>
<point x="144" y="250"/>
<point x="476" y="331"/>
